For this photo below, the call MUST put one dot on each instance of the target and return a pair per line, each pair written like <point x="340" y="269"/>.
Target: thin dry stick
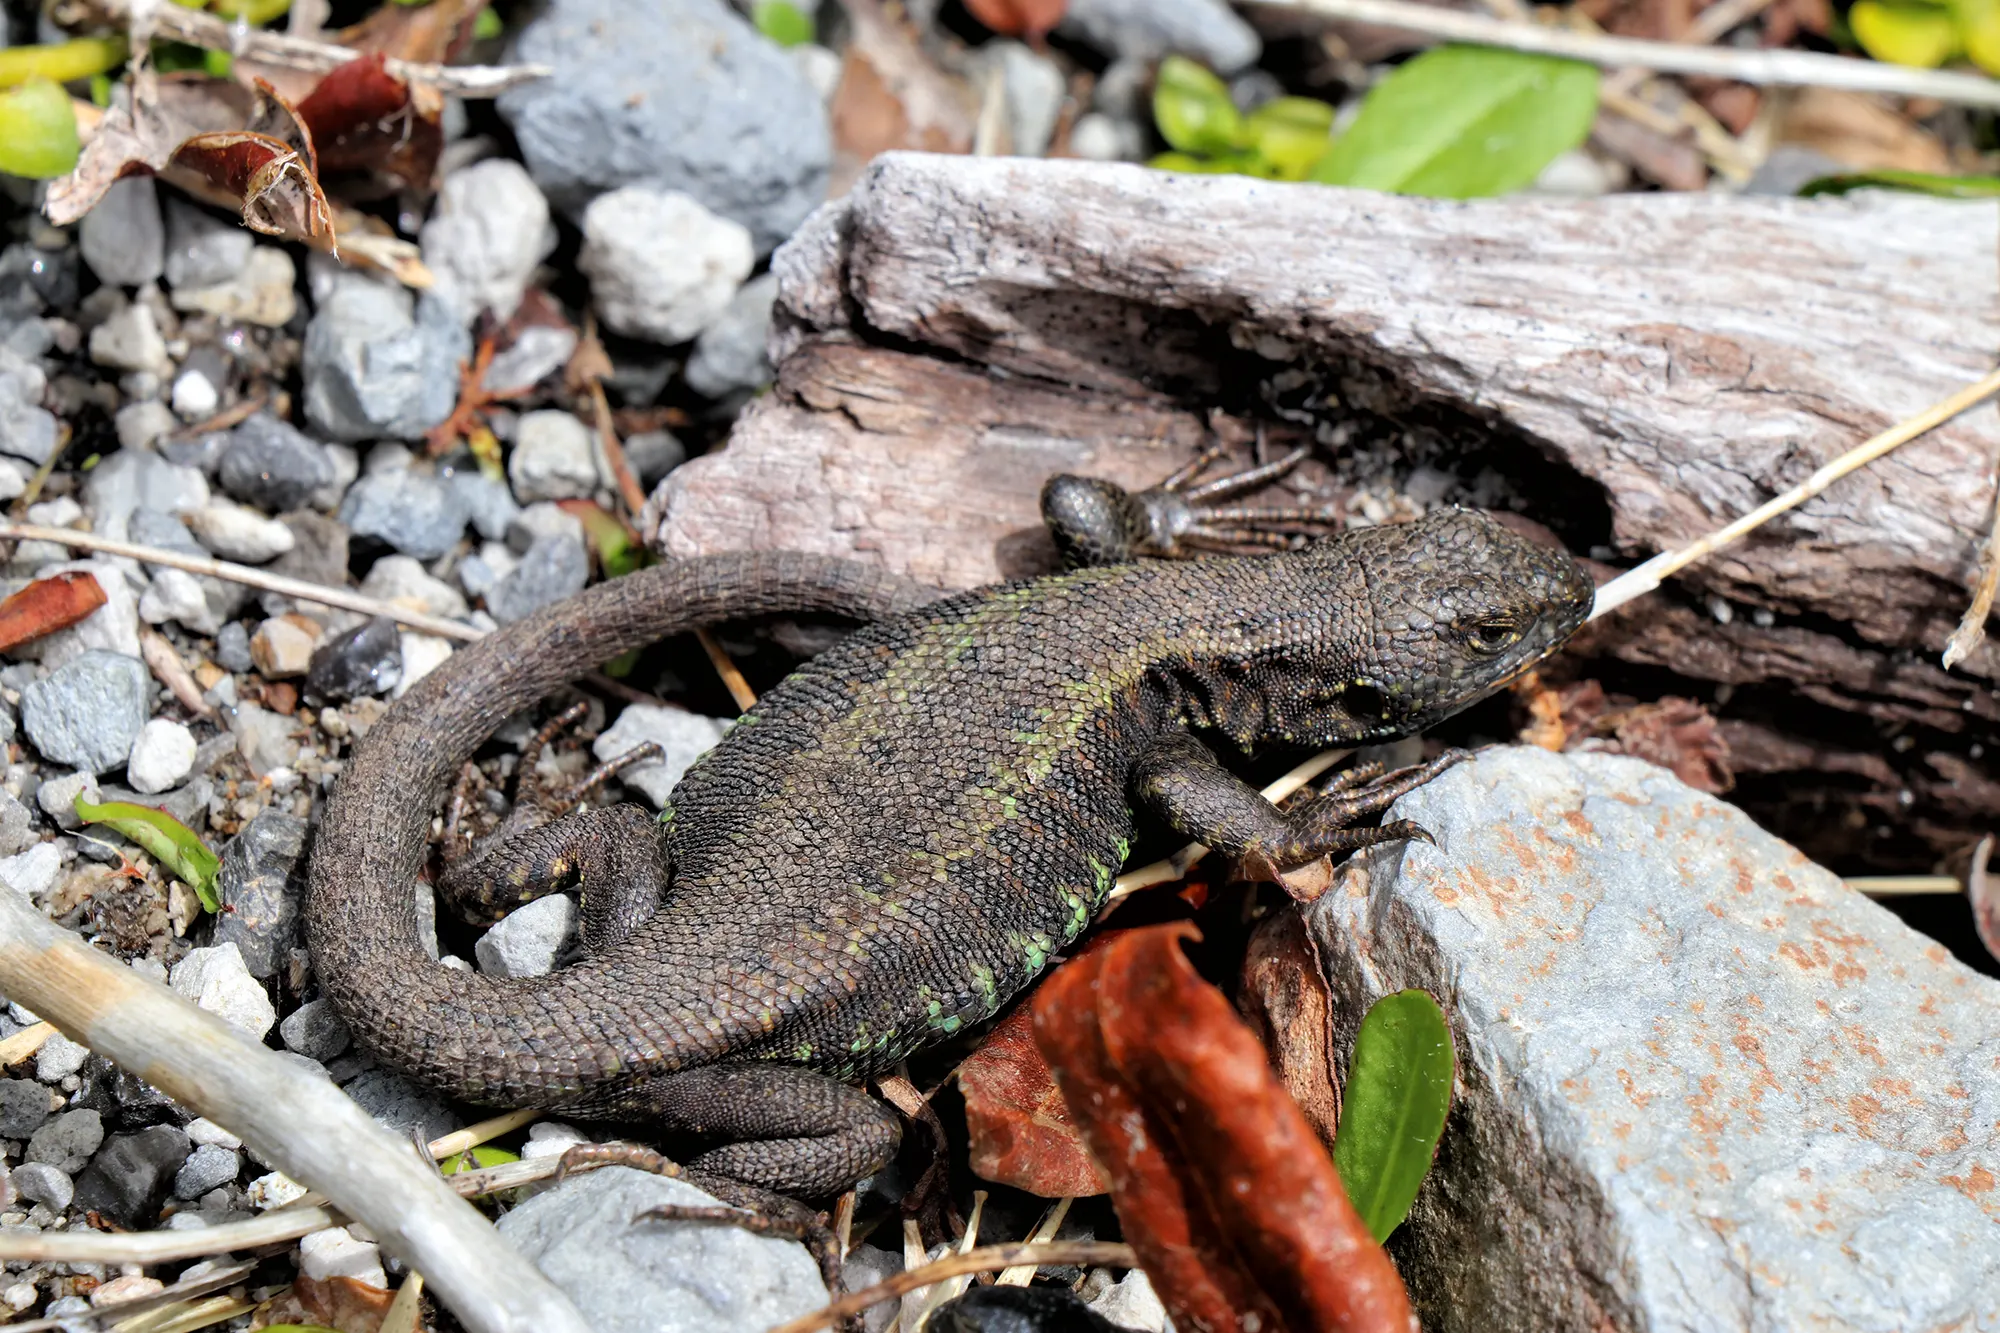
<point x="986" y="1259"/>
<point x="1020" y="1275"/>
<point x="485" y="1131"/>
<point x="1971" y="631"/>
<point x="126" y="1310"/>
<point x="277" y="48"/>
<point x="1795" y="69"/>
<point x="1901" y="886"/>
<point x="1170" y="868"/>
<point x="739" y="688"/>
<point x="317" y="593"/>
<point x="1645" y="578"/>
<point x="299" y="1122"/>
<point x="25" y="1043"/>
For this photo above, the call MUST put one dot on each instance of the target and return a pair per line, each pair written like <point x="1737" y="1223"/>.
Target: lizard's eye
<point x="1492" y="636"/>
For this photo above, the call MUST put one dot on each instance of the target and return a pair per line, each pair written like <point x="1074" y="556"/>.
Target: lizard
<point x="902" y="834"/>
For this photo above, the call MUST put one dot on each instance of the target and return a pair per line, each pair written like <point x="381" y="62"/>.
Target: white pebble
<point x="239" y="534"/>
<point x="335" y="1252"/>
<point x="161" y="756"/>
<point x="274" y="1191"/>
<point x="195" y="398"/>
<point x="34" y="871"/>
<point x="422" y="654"/>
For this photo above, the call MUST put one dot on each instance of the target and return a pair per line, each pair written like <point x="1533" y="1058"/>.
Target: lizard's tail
<point x="451" y="1028"/>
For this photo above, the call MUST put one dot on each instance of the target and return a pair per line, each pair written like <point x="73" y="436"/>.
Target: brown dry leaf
<point x="339" y="1303"/>
<point x="891" y="96"/>
<point x="1859" y="132"/>
<point x="1220" y="1184"/>
<point x="1679" y="735"/>
<point x="1020" y="1130"/>
<point x="1285" y="1000"/>
<point x="47" y="605"/>
<point x="1545" y="727"/>
<point x="367" y="122"/>
<point x="429" y="34"/>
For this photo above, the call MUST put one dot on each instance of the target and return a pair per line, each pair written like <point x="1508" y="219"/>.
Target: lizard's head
<point x="1451" y="608"/>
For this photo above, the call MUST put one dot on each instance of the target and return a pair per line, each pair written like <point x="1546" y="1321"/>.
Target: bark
<point x="1638" y="370"/>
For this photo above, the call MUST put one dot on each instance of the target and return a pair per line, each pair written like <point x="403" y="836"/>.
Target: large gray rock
<point x="373" y="367"/>
<point x="87" y="713"/>
<point x="659" y="1277"/>
<point x="680" y="94"/>
<point x="1701" y="1083"/>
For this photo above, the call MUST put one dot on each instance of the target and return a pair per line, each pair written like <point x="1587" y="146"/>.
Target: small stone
<point x="201" y="1131"/>
<point x="658" y="1277"/>
<point x="273" y="1191"/>
<point x="32" y="873"/>
<point x="730" y="355"/>
<point x="216" y="979"/>
<point x="1204" y="30"/>
<point x="143" y="424"/>
<point x="682" y="736"/>
<point x="489" y="231"/>
<point x="820" y="67"/>
<point x="58" y="1058"/>
<point x="162" y="756"/>
<point x="374" y="368"/>
<point x="263" y="293"/>
<point x="232" y="647"/>
<point x="67" y="1307"/>
<point x="554" y="458"/>
<point x="13" y="480"/>
<point x="403" y="581"/>
<point x="1132" y="1303"/>
<point x="24" y="1107"/>
<point x="272" y="465"/>
<point x="57" y="797"/>
<point x="208" y="1167"/>
<point x="21" y="1295"/>
<point x="529" y="939"/>
<point x="203" y="249"/>
<point x="652" y="454"/>
<point x="27" y="429"/>
<point x="414" y="512"/>
<point x="130" y="481"/>
<point x="335" y="1252"/>
<point x="683" y="94"/>
<point x="264" y="739"/>
<point x="487" y="500"/>
<point x="86" y="713"/>
<point x="281" y="648"/>
<point x="131" y="1287"/>
<point x="195" y="396"/>
<point x="544" y="518"/>
<point x="131" y="1175"/>
<point x="553" y="568"/>
<point x="262" y="885"/>
<point x="130" y="340"/>
<point x="660" y="265"/>
<point x="401" y="1105"/>
<point x="46" y="1182"/>
<point x="480" y="572"/>
<point x="178" y="596"/>
<point x="551" y="1138"/>
<point x="315" y="1031"/>
<point x="123" y="237"/>
<point x="1101" y="138"/>
<point x="239" y="534"/>
<point x="537" y="352"/>
<point x="319" y="554"/>
<point x="17" y="834"/>
<point x="364" y="660"/>
<point x="1034" y="87"/>
<point x="66" y="1142"/>
<point x="422" y="654"/>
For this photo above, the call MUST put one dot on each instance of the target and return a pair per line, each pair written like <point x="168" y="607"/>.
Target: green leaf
<point x="61" y="61"/>
<point x="487" y="26"/>
<point x="1192" y="108"/>
<point x="1225" y="165"/>
<point x="172" y="843"/>
<point x="474" y="1158"/>
<point x="1393" y="1108"/>
<point x="1290" y="134"/>
<point x="37" y="131"/>
<point x="1916" y="182"/>
<point x="217" y="63"/>
<point x="783" y="23"/>
<point x="1460" y="122"/>
<point x="1920" y="36"/>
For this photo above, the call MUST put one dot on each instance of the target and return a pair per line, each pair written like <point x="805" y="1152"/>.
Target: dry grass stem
<point x="725" y="667"/>
<point x="1645" y="578"/>
<point x="317" y="593"/>
<point x="1971" y="631"/>
<point x="23" y="1044"/>
<point x="1796" y="69"/>
<point x="1903" y="886"/>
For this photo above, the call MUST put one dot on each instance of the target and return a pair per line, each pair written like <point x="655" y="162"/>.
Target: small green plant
<point x="785" y="24"/>
<point x="1928" y="33"/>
<point x="1909" y="182"/>
<point x="37" y="130"/>
<point x="171" y="843"/>
<point x="1456" y="122"/>
<point x="1394" y="1106"/>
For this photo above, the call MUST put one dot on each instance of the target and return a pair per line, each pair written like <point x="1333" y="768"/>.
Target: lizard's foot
<point x="1095" y="522"/>
<point x="614" y="856"/>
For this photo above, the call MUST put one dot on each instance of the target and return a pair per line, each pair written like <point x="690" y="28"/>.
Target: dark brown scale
<point x="895" y="839"/>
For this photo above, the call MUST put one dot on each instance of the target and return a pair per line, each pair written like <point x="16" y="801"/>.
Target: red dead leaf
<point x="47" y="605"/>
<point x="1284" y="996"/>
<point x="1235" y="1209"/>
<point x="1021" y="1131"/>
<point x="365" y="120"/>
<point x="271" y="184"/>
<point x="1031" y="19"/>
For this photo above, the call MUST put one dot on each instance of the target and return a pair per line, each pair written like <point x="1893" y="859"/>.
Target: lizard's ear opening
<point x="1362" y="700"/>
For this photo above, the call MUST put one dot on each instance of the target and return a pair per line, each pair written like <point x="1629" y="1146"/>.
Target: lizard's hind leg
<point x="615" y="857"/>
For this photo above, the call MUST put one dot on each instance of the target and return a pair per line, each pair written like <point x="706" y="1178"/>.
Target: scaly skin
<point x="897" y="838"/>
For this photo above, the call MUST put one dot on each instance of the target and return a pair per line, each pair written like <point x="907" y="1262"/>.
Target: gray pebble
<point x="553" y="568"/>
<point x="208" y="1167"/>
<point x="27" y="429"/>
<point x="374" y="368"/>
<point x="17" y="828"/>
<point x="44" y="1182"/>
<point x="262" y="885"/>
<point x="273" y="465"/>
<point x="488" y="502"/>
<point x="365" y="660"/>
<point x="729" y="355"/>
<point x="653" y="454"/>
<point x="67" y="1141"/>
<point x="314" y="1030"/>
<point x="87" y="713"/>
<point x="131" y="1174"/>
<point x="529" y="939"/>
<point x="232" y="647"/>
<point x="1205" y="30"/>
<point x="401" y="1105"/>
<point x="203" y="249"/>
<point x="415" y="512"/>
<point x="123" y="238"/>
<point x="58" y="1058"/>
<point x="24" y="1107"/>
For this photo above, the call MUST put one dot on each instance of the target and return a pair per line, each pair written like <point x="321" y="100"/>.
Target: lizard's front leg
<point x="1181" y="780"/>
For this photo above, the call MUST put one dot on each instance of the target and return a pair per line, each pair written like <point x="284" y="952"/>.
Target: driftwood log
<point x="1636" y="370"/>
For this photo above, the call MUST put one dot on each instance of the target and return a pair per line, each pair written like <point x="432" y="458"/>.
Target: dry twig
<point x="1796" y="69"/>
<point x="986" y="1259"/>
